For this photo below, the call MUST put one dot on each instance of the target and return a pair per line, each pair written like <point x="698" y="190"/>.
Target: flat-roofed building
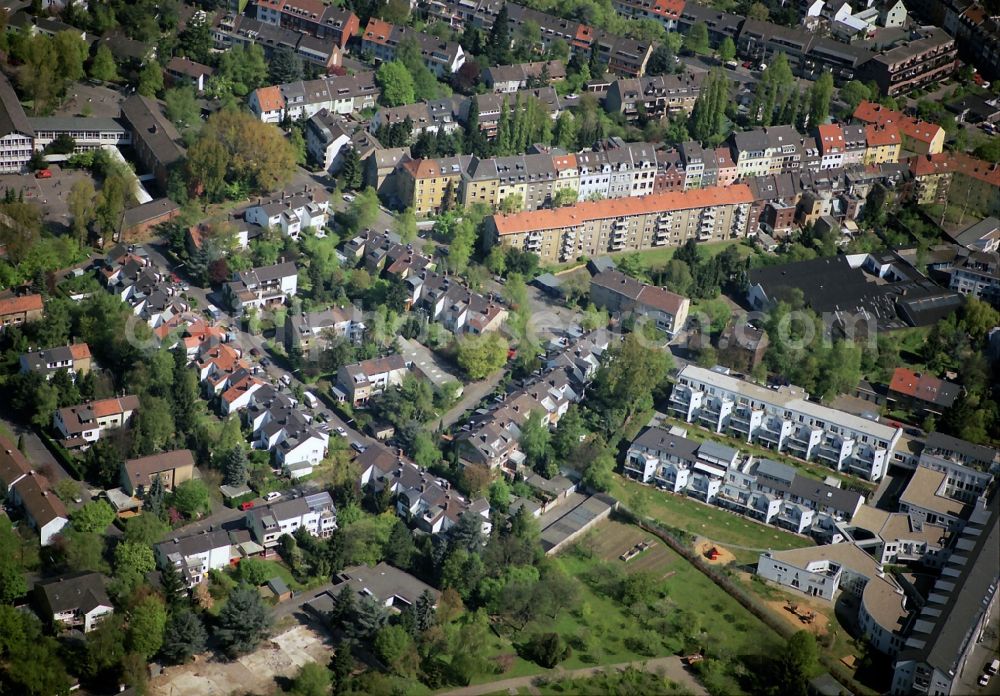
<point x="88" y="133"/>
<point x="16" y="134"/>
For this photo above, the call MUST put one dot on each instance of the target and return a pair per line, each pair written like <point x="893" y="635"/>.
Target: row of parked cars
<point x="990" y="670"/>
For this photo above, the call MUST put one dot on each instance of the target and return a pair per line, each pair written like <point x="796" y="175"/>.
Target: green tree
<point x="254" y="572"/>
<point x="313" y="679"/>
<point x="81" y="207"/>
<point x="548" y="649"/>
<point x="852" y="94"/>
<point x="95" y="516"/>
<point x="535" y="439"/>
<point x="150" y="79"/>
<point x="820" y="94"/>
<point x="624" y="385"/>
<point x="696" y="40"/>
<point x="146" y="622"/>
<point x="708" y="118"/>
<point x="727" y="50"/>
<point x="132" y="562"/>
<point x="191" y="498"/>
<point x="103" y="68"/>
<point x="394" y="647"/>
<point x="566" y="130"/>
<point x="499" y="42"/>
<point x="396" y="84"/>
<point x="406" y="225"/>
<point x="363" y="210"/>
<point x="243" y="622"/>
<point x="146" y="529"/>
<point x="598" y="472"/>
<point x="351" y="172"/>
<point x="285" y="66"/>
<point x="482" y="355"/>
<point x="570" y="429"/>
<point x="758" y="11"/>
<point x="184" y="637"/>
<point x="234" y="467"/>
<point x="71" y="52"/>
<point x="181" y="107"/>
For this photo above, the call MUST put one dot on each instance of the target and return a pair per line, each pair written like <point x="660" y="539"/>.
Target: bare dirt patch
<point x="807" y="615"/>
<point x="713" y="553"/>
<point x="612" y="539"/>
<point x="281" y="656"/>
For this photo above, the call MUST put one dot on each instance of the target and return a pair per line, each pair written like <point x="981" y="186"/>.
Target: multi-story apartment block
<point x="240" y="30"/>
<point x="927" y="59"/>
<point x="926" y="501"/>
<point x="785" y="420"/>
<point x="654" y="97"/>
<point x="361" y="381"/>
<point x="767" y="151"/>
<point x="920" y="137"/>
<point x="381" y="39"/>
<point x="957" y="179"/>
<point x="85" y="423"/>
<point x="596" y="227"/>
<point x="73" y="358"/>
<point x="882" y="144"/>
<point x="292" y="211"/>
<point x="977" y="274"/>
<point x="427" y="185"/>
<point x="262" y="287"/>
<point x="424" y="117"/>
<point x="315" y="513"/>
<point x="972" y="456"/>
<point x="154" y="137"/>
<point x="16" y="134"/>
<point x="310" y="16"/>
<point x="338" y="94"/>
<point x="666" y="12"/>
<point x="618" y="293"/>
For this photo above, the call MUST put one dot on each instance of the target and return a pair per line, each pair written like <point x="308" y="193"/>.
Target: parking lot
<point x="50" y="194"/>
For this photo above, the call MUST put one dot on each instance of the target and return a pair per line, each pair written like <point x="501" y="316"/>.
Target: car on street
<point x="273" y="495"/>
<point x="341" y="431"/>
<point x="286" y="379"/>
<point x="265" y="362"/>
<point x="246" y="506"/>
<point x="348" y="197"/>
<point x="984" y="680"/>
<point x="358" y="447"/>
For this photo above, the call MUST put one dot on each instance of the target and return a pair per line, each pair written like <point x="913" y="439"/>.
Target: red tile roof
<point x="924" y="387"/>
<point x="111" y="407"/>
<point x="878" y="136"/>
<point x="580" y="213"/>
<point x="956" y="163"/>
<point x="270" y="98"/>
<point x="870" y="112"/>
<point x="831" y="138"/>
<point x="16" y="305"/>
<point x="378" y="31"/>
<point x="79" y="351"/>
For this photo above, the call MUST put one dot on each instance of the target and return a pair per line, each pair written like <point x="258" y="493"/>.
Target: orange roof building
<point x="920" y="137"/>
<point x="17" y="310"/>
<point x="714" y="213"/>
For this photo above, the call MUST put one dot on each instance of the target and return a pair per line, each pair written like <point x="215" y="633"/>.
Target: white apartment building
<point x="16" y="133"/>
<point x="291" y="212"/>
<point x="87" y="133"/>
<point x="261" y="287"/>
<point x="315" y="513"/>
<point x="785" y="420"/>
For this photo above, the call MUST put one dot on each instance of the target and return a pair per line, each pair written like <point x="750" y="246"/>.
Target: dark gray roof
<point x="661" y="440"/>
<point x="714" y="450"/>
<point x="69" y="123"/>
<point x="148" y="211"/>
<point x="12" y="116"/>
<point x="76" y="592"/>
<point x="939" y="442"/>
<point x="775" y="470"/>
<point x="989" y="226"/>
<point x="151" y="127"/>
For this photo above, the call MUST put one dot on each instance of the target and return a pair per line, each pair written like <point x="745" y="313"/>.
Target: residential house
<point x="84" y="424"/>
<point x="31" y="491"/>
<point x="185" y="71"/>
<point x="883" y="144"/>
<point x="388" y="586"/>
<point x="363" y="380"/>
<point x="657" y="97"/>
<point x="291" y="212"/>
<point x="307" y="331"/>
<point x="666" y="12"/>
<point x="926" y="394"/>
<point x="918" y="136"/>
<point x="381" y="39"/>
<point x="983" y="235"/>
<point x="513" y="78"/>
<point x="620" y="294"/>
<point x="326" y="137"/>
<point x="16" y="134"/>
<point x="74" y="358"/>
<point x="194" y="555"/>
<point x="315" y="513"/>
<point x="17" y="310"/>
<point x="784" y="419"/>
<point x="977" y="274"/>
<point x="428" y="185"/>
<point x="742" y="346"/>
<point x="338" y="94"/>
<point x="262" y="287"/>
<point x="923" y="60"/>
<point x="75" y="601"/>
<point x="171" y="468"/>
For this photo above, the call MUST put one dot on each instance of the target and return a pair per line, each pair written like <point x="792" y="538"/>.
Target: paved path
<point x="669" y="666"/>
<point x="471" y="395"/>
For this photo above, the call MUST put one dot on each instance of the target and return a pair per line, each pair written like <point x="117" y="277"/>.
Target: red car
<point x="43" y="174"/>
<point x="246" y="506"/>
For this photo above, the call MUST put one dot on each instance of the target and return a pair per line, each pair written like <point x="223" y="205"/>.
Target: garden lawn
<point x="728" y="529"/>
<point x="657" y="258"/>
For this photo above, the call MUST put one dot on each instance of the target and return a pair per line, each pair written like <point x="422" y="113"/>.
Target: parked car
<point x="358" y="447"/>
<point x="984" y="680"/>
<point x="348" y="197"/>
<point x="246" y="506"/>
<point x="993" y="667"/>
<point x="273" y="495"/>
<point x="265" y="362"/>
<point x="286" y="379"/>
<point x="341" y="431"/>
<point x="43" y="174"/>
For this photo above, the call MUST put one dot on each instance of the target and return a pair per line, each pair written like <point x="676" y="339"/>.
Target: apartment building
<point x="424" y="117"/>
<point x="957" y="179"/>
<point x="17" y="310"/>
<point x="310" y="16"/>
<point x="883" y="144"/>
<point x="291" y="211"/>
<point x="936" y="655"/>
<point x="926" y="59"/>
<point x="977" y="274"/>
<point x="315" y="513"/>
<point x="85" y="423"/>
<point x="920" y="137"/>
<point x="338" y="94"/>
<point x="16" y="134"/>
<point x="666" y="12"/>
<point x="621" y="294"/>
<point x="512" y="78"/>
<point x="784" y="419"/>
<point x="361" y="381"/>
<point x="75" y="601"/>
<point x="593" y="228"/>
<point x="193" y="556"/>
<point x="88" y="133"/>
<point x="185" y="71"/>
<point x="262" y="287"/>
<point x="171" y="468"/>
<point x="766" y="151"/>
<point x="308" y="330"/>
<point x="657" y="97"/>
<point x="429" y="185"/>
<point x="154" y="138"/>
<point x="73" y="359"/>
<point x="381" y="39"/>
<point x="240" y="30"/>
<point x="926" y="501"/>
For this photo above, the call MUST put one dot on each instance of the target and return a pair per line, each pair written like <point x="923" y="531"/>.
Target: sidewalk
<point x="669" y="666"/>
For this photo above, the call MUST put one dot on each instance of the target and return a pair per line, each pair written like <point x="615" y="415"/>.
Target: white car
<point x="348" y="197"/>
<point x="984" y="679"/>
<point x="273" y="495"/>
<point x="341" y="431"/>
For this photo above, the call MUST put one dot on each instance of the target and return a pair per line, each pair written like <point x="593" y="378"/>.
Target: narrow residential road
<point x="670" y="666"/>
<point x="471" y="395"/>
<point x="36" y="451"/>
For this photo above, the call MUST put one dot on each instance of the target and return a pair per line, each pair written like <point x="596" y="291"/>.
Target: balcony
<point x="769" y="435"/>
<point x="826" y="453"/>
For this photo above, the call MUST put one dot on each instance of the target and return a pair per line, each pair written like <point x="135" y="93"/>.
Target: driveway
<point x="472" y="395"/>
<point x="670" y="667"/>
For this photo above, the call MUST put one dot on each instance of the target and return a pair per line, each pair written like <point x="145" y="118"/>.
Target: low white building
<point x="291" y="212"/>
<point x="195" y="555"/>
<point x="77" y="601"/>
